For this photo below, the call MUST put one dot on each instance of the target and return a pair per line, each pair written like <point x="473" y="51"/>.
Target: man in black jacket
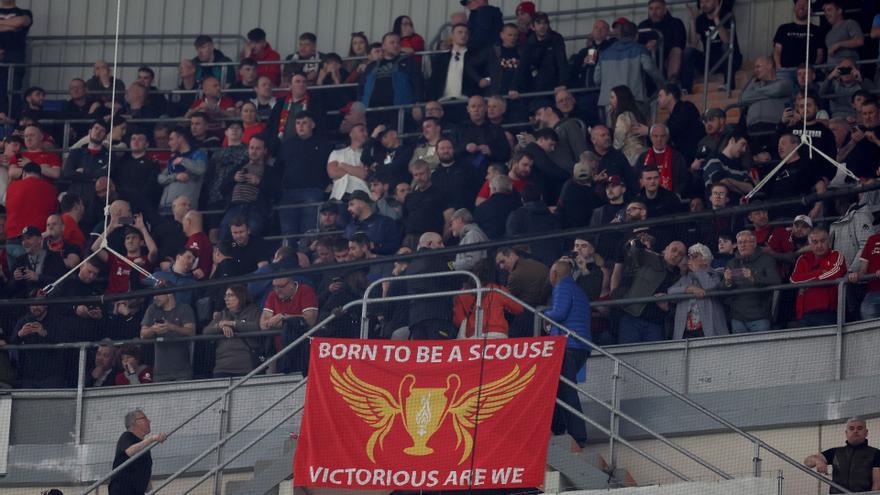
<point x="533" y="217"/>
<point x="685" y="125"/>
<point x="544" y="66"/>
<point x="478" y="140"/>
<point x="430" y="319"/>
<point x="304" y="175"/>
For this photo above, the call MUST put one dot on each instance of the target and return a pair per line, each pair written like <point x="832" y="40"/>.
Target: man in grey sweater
<point x="765" y="96"/>
<point x="624" y="63"/>
<point x="750" y="268"/>
<point x="463" y="226"/>
<point x="184" y="172"/>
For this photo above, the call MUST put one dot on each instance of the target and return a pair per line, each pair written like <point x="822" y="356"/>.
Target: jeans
<point x="739" y="326"/>
<point x="815" y="320"/>
<point x="299" y="220"/>
<point x="635" y="330"/>
<point x="870" y="307"/>
<point x="564" y="420"/>
<point x="692" y="58"/>
<point x="253" y="215"/>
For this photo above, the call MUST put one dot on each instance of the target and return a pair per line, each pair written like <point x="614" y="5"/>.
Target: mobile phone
<point x="573" y="254"/>
<point x="126" y="221"/>
<point x="787" y="105"/>
<point x="159" y="320"/>
<point x="244" y="170"/>
<point x="845" y="70"/>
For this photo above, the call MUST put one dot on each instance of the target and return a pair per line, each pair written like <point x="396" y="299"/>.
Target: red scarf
<point x="663" y="162"/>
<point x="285" y="111"/>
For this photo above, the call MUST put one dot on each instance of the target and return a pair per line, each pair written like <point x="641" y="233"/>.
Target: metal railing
<point x="728" y="56"/>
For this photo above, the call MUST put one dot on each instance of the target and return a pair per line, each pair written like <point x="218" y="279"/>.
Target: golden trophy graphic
<point x="425" y="409"/>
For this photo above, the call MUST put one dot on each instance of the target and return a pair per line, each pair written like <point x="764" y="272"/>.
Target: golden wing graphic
<point x="487" y="400"/>
<point x="374" y="405"/>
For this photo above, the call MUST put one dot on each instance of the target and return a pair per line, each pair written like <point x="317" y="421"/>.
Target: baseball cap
<point x="329" y="206"/>
<point x="526" y="7"/>
<point x="538" y="104"/>
<point x="31" y="231"/>
<point x="360" y="196"/>
<point x="618" y="21"/>
<point x="803" y="218"/>
<point x="614" y="180"/>
<point x="714" y="113"/>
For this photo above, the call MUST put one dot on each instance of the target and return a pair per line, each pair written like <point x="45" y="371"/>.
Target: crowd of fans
<point x="262" y="153"/>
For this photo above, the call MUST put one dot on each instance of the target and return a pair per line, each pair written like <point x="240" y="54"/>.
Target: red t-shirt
<point x="43" y="158"/>
<point x="871" y="256"/>
<point x="272" y="71"/>
<point x="72" y="233"/>
<point x="29" y="202"/>
<point x="303" y="299"/>
<point x="518" y="186"/>
<point x="119" y="273"/>
<point x="200" y="243"/>
<point x="160" y="157"/>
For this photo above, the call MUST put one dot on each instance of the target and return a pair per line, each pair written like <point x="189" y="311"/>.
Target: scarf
<point x="663" y="162"/>
<point x="285" y="111"/>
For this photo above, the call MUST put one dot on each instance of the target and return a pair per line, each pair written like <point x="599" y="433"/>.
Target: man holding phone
<point x="839" y="87"/>
<point x="170" y="320"/>
<point x="750" y="268"/>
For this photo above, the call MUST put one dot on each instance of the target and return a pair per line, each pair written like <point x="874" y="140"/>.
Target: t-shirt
<point x="43" y="158"/>
<point x="717" y="46"/>
<point x="792" y="37"/>
<point x="171" y="358"/>
<point x="72" y="233"/>
<point x="672" y="29"/>
<point x="846" y="30"/>
<point x="871" y="256"/>
<point x="304" y="299"/>
<point x="14" y="40"/>
<point x="134" y="479"/>
<point x="119" y="273"/>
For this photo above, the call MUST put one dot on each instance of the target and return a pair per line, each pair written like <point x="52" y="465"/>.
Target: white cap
<point x="803" y="218"/>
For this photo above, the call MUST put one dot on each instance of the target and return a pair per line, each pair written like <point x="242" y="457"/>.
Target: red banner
<point x="437" y="415"/>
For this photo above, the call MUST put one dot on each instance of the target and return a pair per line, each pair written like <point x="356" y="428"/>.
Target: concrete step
<point x="578" y="471"/>
<point x="268" y="474"/>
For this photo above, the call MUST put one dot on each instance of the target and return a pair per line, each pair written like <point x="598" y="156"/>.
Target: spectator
<point x="72" y="210"/>
<point x="184" y="172"/>
<point x="382" y="231"/>
<point x="260" y="50"/>
<point x="306" y="59"/>
<point x="505" y="61"/>
<point x="298" y="100"/>
<point x="249" y="251"/>
<point x="611" y="161"/>
<point x="197" y="241"/>
<point x="78" y="106"/>
<point x="222" y="164"/>
<point x="496" y="307"/>
<point x="571" y="139"/>
<point x="179" y="273"/>
<point x="684" y="123"/>
<point x="29" y="201"/>
<point x="816" y="306"/>
<point x="304" y="174"/>
<point x="463" y="227"/>
<point x="544" y="173"/>
<point x="53" y="240"/>
<point x="491" y="215"/>
<point x="764" y="96"/>
<point x="161" y="135"/>
<point x="250" y="189"/>
<point x="265" y="99"/>
<point x="578" y="198"/>
<point x="544" y="65"/>
<point x="520" y="172"/>
<point x="628" y="122"/>
<point x="213" y="104"/>
<point x="611" y="212"/>
<point x="698" y="316"/>
<point x="862" y="155"/>
<point x="790" y="44"/>
<point x="246" y="83"/>
<point x="345" y="168"/>
<point x="82" y="321"/>
<point x="86" y="164"/>
<point x="658" y="200"/>
<point x="372" y="53"/>
<point x="479" y="141"/>
<point x="136" y="103"/>
<point x="426" y="147"/>
<point x="571" y="308"/>
<point x="725" y="166"/>
<point x="136" y="173"/>
<point x="224" y="265"/>
<point x="533" y="217"/>
<point x="653" y="275"/>
<point x="134" y="372"/>
<point x="181" y="102"/>
<point x="856" y="465"/>
<point x="674" y="37"/>
<point x="16" y="24"/>
<point x="527" y="279"/>
<point x="820" y="135"/>
<point x="39" y="326"/>
<point x="358" y="46"/>
<point x="104" y="372"/>
<point x="750" y="268"/>
<point x="675" y="176"/>
<point x="426" y="208"/>
<point x="713" y="28"/>
<point x="288" y="299"/>
<point x="384" y="153"/>
<point x="34" y="152"/>
<point x="207" y="54"/>
<point x="156" y="103"/>
<point x="456" y="74"/>
<point x="236" y="356"/>
<point x="840" y="87"/>
<point x="384" y="201"/>
<point x="525" y="12"/>
<point x="328" y="219"/>
<point x="169" y="319"/>
<point x="844" y="36"/>
<point x="332" y="73"/>
<point x="590" y="272"/>
<point x="496" y="110"/>
<point x="429" y="319"/>
<point x="484" y="23"/>
<point x="869" y="264"/>
<point x="715" y="126"/>
<point x="582" y="66"/>
<point x="140" y="249"/>
<point x="798" y="177"/>
<point x="102" y="83"/>
<point x="455" y="176"/>
<point x="410" y="41"/>
<point x="625" y="62"/>
<point x="392" y="80"/>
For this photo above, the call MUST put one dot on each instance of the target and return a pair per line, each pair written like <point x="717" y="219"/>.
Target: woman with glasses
<point x="236" y="356"/>
<point x="410" y="41"/>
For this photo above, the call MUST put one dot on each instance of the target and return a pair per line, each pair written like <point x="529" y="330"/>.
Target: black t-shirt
<point x="14" y="41"/>
<point x="249" y="255"/>
<point x="672" y="29"/>
<point x="793" y="39"/>
<point x="703" y="23"/>
<point x="508" y="60"/>
<point x="134" y="479"/>
<point x="423" y="210"/>
<point x="383" y="89"/>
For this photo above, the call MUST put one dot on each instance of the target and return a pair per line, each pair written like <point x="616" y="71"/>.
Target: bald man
<point x="430" y="319"/>
<point x="197" y="240"/>
<point x="570" y="308"/>
<point x="765" y="96"/>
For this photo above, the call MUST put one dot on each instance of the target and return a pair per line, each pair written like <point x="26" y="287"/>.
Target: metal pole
<point x="779" y="479"/>
<point x="709" y="35"/>
<point x="838" y="338"/>
<point x="756" y="461"/>
<point x="224" y="420"/>
<point x="400" y="120"/>
<point x="614" y="423"/>
<point x="730" y="76"/>
<point x="10" y="89"/>
<point x="80" y="386"/>
<point x="65" y="139"/>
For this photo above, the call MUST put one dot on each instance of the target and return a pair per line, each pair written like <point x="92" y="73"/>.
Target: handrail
<point x="651" y="222"/>
<point x="711" y="34"/>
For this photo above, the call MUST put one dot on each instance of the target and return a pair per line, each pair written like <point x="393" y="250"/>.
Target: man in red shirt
<point x="869" y="264"/>
<point x="119" y="273"/>
<point x="760" y="220"/>
<point x="260" y="50"/>
<point x="29" y="201"/>
<point x="72" y="212"/>
<point x="288" y="299"/>
<point x="49" y="162"/>
<point x="817" y="305"/>
<point x="520" y="170"/>
<point x="213" y="103"/>
<point x="197" y="241"/>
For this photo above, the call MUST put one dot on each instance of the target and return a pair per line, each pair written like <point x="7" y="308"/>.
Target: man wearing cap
<point x="29" y="201"/>
<point x="260" y="50"/>
<point x="525" y="12"/>
<point x="610" y="212"/>
<point x="817" y="305"/>
<point x="750" y="268"/>
<point x="86" y="164"/>
<point x="383" y="232"/>
<point x="36" y="267"/>
<point x="206" y="54"/>
<point x="714" y="125"/>
<point x="484" y="24"/>
<point x="302" y="162"/>
<point x="708" y="23"/>
<point x="354" y="113"/>
<point x="544" y="65"/>
<point x="673" y="32"/>
<point x="328" y="218"/>
<point x="571" y="140"/>
<point x="626" y="62"/>
<point x="578" y="197"/>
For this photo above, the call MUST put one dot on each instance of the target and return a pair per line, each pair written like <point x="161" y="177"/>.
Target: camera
<point x="845" y="71"/>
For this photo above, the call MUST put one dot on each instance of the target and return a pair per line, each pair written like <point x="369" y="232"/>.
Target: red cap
<point x="526" y="7"/>
<point x="614" y="180"/>
<point x="619" y="20"/>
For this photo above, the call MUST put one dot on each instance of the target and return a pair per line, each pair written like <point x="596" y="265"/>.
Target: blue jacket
<point x="485" y="25"/>
<point x="383" y="231"/>
<point x="571" y="308"/>
<point x="405" y="80"/>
